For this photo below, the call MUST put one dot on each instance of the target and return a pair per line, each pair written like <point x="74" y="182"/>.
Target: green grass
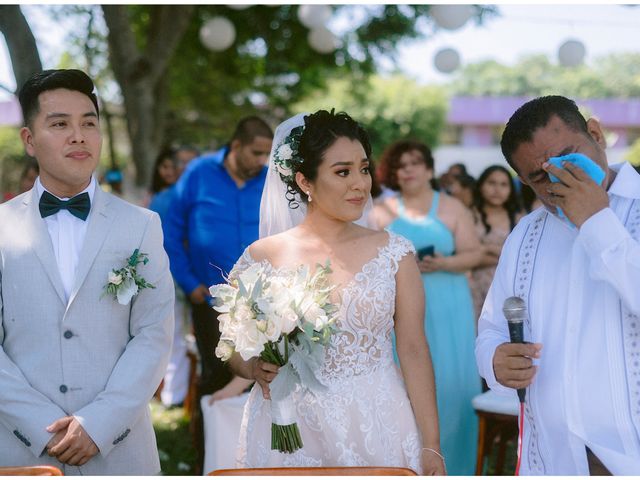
<point x="175" y="445"/>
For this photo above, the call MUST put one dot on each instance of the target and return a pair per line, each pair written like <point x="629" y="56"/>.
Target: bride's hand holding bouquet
<point x="263" y="373"/>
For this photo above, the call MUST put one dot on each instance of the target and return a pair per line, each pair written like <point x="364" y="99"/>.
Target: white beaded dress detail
<point x="364" y="416"/>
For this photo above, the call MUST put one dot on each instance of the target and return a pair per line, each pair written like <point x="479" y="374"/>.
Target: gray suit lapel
<point x="98" y="229"/>
<point x="42" y="242"/>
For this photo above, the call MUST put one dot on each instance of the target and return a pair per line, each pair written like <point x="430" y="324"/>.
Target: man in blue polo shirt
<point x="213" y="217"/>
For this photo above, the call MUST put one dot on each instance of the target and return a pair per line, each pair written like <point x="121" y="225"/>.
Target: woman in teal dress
<point x="438" y="222"/>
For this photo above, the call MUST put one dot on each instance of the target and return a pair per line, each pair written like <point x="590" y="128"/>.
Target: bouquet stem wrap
<point x="285" y="435"/>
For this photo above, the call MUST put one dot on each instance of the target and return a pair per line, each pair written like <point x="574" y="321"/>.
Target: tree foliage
<point x="271" y="65"/>
<point x="611" y="76"/>
<point x="390" y="109"/>
<point x="11" y="158"/>
<point x="633" y="155"/>
<point x="196" y="95"/>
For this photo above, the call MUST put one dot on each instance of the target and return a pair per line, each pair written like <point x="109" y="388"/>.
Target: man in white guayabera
<point x="576" y="264"/>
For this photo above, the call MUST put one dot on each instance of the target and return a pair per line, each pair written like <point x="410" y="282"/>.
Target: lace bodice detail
<point x="365" y="319"/>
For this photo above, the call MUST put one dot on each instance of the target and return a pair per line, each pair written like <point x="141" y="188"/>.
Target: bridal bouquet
<point x="285" y="318"/>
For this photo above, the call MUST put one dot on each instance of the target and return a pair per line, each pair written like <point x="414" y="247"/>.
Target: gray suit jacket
<point x="89" y="357"/>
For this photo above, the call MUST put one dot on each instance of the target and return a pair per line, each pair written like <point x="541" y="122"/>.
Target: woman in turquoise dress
<point x="438" y="223"/>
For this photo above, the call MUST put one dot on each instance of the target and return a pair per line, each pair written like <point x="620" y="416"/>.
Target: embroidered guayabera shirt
<point x="582" y="289"/>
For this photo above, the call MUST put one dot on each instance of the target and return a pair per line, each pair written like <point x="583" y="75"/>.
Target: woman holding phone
<point x="441" y="229"/>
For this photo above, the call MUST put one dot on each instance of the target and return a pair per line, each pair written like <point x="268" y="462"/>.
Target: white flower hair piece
<point x="288" y="154"/>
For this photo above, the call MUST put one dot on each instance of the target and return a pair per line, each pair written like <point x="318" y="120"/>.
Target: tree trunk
<point x="21" y="44"/>
<point x="141" y="76"/>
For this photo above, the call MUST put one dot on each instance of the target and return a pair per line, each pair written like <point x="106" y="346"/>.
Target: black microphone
<point x="515" y="311"/>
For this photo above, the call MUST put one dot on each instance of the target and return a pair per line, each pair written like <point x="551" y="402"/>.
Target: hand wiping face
<point x="579" y="160"/>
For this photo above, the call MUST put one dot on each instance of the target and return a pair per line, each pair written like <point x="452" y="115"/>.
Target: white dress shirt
<point x="67" y="234"/>
<point x="582" y="282"/>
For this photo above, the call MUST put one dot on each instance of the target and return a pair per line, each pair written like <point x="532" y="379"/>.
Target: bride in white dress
<point x="371" y="413"/>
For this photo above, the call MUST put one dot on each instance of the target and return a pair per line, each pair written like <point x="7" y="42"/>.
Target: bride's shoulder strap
<point x="399" y="246"/>
<point x="244" y="262"/>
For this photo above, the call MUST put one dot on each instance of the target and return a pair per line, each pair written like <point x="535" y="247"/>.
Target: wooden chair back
<point x="39" y="470"/>
<point x="315" y="471"/>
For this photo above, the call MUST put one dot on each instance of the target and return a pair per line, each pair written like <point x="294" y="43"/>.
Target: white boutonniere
<point x="125" y="282"/>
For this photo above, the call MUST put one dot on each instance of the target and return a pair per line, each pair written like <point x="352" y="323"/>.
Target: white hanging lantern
<point x="322" y="40"/>
<point x="451" y="17"/>
<point x="571" y="53"/>
<point x="314" y="16"/>
<point x="447" y="60"/>
<point x="217" y="34"/>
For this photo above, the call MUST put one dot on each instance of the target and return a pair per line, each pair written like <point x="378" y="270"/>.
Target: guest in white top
<point x="581" y="287"/>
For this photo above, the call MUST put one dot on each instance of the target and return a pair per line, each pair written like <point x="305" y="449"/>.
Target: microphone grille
<point x="514" y="303"/>
<point x="514" y="308"/>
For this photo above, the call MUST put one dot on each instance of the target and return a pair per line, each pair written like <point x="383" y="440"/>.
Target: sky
<point x="529" y="29"/>
<point x="517" y="31"/>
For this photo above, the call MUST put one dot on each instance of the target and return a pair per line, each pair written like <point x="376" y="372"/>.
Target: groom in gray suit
<point x="78" y="365"/>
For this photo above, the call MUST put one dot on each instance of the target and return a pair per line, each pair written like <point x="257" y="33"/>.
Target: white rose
<point x="279" y="293"/>
<point x="273" y="330"/>
<point x="250" y="343"/>
<point x="115" y="278"/>
<point x="127" y="291"/>
<point x="224" y="350"/>
<point x="289" y="320"/>
<point x="243" y="314"/>
<point x="227" y="326"/>
<point x="285" y="152"/>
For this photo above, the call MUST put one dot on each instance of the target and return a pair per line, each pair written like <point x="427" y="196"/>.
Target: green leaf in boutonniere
<point x="123" y="284"/>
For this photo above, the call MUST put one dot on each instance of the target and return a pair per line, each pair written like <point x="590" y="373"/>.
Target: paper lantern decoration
<point x="217" y="34"/>
<point x="447" y="60"/>
<point x="322" y="40"/>
<point x="314" y="16"/>
<point x="571" y="53"/>
<point x="451" y="17"/>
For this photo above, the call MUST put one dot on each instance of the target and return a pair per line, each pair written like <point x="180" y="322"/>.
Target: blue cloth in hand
<point x="579" y="160"/>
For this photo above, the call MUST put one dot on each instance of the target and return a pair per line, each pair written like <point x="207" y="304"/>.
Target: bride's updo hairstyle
<point x="321" y="130"/>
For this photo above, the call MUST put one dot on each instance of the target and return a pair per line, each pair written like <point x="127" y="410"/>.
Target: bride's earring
<point x="309" y="196"/>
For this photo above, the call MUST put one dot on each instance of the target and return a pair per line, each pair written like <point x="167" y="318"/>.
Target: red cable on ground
<point x="520" y="437"/>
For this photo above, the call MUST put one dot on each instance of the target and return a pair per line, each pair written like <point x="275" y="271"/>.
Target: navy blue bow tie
<point x="77" y="206"/>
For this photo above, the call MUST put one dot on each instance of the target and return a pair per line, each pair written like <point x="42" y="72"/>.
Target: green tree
<point x="389" y="108"/>
<point x="11" y="158"/>
<point x="633" y="155"/>
<point x="270" y="65"/>
<point x="198" y="94"/>
<point x="614" y="75"/>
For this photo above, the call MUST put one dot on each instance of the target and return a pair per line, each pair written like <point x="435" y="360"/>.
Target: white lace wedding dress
<point x="364" y="417"/>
